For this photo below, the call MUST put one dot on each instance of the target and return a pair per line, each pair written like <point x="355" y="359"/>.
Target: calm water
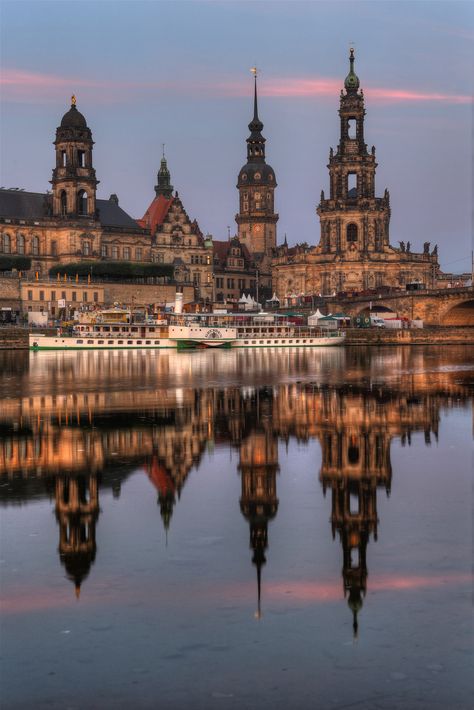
<point x="247" y="529"/>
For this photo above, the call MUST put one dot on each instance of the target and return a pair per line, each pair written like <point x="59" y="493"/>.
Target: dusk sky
<point x="147" y="73"/>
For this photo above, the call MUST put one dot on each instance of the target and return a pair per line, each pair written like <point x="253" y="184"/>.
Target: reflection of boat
<point x="184" y="331"/>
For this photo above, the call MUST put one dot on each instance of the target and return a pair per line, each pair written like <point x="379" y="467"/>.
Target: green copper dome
<point x="351" y="81"/>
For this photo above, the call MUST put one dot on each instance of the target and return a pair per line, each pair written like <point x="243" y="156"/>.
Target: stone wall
<point x="413" y="336"/>
<point x="136" y="294"/>
<point x="10" y="293"/>
<point x="13" y="338"/>
<point x="144" y="294"/>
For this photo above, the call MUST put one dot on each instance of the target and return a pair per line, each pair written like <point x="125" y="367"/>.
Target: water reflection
<point x="72" y="424"/>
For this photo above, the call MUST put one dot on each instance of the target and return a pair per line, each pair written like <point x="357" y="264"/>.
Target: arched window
<point x="82" y="202"/>
<point x="63" y="199"/>
<point x="86" y="248"/>
<point x="352" y="128"/>
<point x="20" y="244"/>
<point x="7" y="244"/>
<point x="54" y="248"/>
<point x="35" y="246"/>
<point x="351" y="233"/>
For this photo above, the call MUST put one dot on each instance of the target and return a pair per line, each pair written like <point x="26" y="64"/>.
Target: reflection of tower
<point x="259" y="502"/>
<point x="355" y="462"/>
<point x="77" y="510"/>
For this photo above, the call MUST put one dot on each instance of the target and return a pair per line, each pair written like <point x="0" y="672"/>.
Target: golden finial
<point x="73" y="100"/>
<point x="254" y="71"/>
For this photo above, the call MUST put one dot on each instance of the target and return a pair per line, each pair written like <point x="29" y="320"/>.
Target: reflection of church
<point x="259" y="503"/>
<point x="71" y="440"/>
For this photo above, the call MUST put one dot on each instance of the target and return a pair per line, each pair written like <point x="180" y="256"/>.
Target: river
<point x="237" y="529"/>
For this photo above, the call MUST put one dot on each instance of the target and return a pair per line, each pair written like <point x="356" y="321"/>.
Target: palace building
<point x="354" y="251"/>
<point x="69" y="223"/>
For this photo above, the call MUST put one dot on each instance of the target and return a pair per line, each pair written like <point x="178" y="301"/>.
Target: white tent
<point x="314" y="317"/>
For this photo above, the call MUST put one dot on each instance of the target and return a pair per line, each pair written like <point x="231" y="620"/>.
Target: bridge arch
<point x="460" y="313"/>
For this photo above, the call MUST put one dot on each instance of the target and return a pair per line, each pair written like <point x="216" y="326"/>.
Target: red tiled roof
<point x="156" y="213"/>
<point x="160" y="477"/>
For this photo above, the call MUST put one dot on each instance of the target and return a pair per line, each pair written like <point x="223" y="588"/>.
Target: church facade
<point x="354" y="251"/>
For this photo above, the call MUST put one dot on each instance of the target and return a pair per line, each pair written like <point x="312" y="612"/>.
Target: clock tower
<point x="256" y="219"/>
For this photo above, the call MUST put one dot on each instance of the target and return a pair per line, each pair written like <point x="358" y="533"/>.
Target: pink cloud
<point x="18" y="85"/>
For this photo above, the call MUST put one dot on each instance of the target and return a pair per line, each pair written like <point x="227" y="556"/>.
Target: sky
<point x="148" y="73"/>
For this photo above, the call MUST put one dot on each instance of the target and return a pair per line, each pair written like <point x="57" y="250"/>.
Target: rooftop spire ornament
<point x="73" y="100"/>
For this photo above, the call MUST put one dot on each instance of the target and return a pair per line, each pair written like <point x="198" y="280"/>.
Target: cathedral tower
<point x="354" y="222"/>
<point x="256" y="219"/>
<point x="74" y="182"/>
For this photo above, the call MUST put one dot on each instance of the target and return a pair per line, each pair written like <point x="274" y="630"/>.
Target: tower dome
<point x="351" y="81"/>
<point x="73" y="118"/>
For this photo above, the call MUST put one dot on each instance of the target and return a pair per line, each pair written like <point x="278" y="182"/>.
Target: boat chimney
<point x="178" y="302"/>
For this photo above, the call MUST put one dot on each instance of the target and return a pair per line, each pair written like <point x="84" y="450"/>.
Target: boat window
<point x="120" y="342"/>
<point x="157" y="342"/>
<point x="139" y="342"/>
<point x="260" y="341"/>
<point x="79" y="342"/>
<point x="129" y="342"/>
<point x="100" y="342"/>
<point x="297" y="341"/>
<point x="110" y="342"/>
<point x="290" y="341"/>
<point x="134" y="330"/>
<point x="89" y="342"/>
<point x="151" y="330"/>
<point x="147" y="342"/>
<point x="269" y="341"/>
<point x="304" y="341"/>
<point x="283" y="341"/>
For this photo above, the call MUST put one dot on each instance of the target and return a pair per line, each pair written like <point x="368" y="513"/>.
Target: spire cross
<point x="163" y="149"/>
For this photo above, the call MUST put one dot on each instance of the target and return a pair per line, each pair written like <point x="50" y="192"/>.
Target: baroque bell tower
<point x="74" y="181"/>
<point x="354" y="223"/>
<point x="256" y="219"/>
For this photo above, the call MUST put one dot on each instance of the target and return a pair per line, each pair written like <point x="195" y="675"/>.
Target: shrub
<point x="112" y="269"/>
<point x="20" y="263"/>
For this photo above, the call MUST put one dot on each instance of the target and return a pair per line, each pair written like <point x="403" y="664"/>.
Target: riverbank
<point x="16" y="338"/>
<point x="440" y="335"/>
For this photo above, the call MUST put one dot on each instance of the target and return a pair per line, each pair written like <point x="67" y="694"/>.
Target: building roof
<point x="221" y="251"/>
<point x="35" y="206"/>
<point x="156" y="213"/>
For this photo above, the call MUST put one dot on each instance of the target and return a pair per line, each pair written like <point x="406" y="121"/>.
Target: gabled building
<point x="235" y="271"/>
<point x="177" y="240"/>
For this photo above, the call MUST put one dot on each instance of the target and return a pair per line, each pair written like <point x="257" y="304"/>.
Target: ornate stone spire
<point x="255" y="142"/>
<point x="351" y="82"/>
<point x="164" y="186"/>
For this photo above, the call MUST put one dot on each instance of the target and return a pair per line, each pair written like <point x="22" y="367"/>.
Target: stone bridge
<point x="435" y="307"/>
